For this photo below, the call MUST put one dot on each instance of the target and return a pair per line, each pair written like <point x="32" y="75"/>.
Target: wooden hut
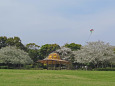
<point x="54" y="59"/>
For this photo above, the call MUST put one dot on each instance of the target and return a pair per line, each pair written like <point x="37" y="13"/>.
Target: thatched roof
<point x="53" y="58"/>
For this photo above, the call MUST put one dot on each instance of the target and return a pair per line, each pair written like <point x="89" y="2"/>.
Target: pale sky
<point x="58" y="21"/>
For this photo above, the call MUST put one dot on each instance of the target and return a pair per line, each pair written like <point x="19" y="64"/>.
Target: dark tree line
<point x="12" y="41"/>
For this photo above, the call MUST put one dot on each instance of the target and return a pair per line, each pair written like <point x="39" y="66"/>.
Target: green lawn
<point x="56" y="78"/>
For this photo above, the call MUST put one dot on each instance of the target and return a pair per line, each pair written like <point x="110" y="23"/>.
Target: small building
<point x="54" y="59"/>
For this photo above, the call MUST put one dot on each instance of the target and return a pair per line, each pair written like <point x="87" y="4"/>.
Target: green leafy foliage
<point x="33" y="51"/>
<point x="15" y="41"/>
<point x="32" y="46"/>
<point x="73" y="46"/>
<point x="46" y="49"/>
<point x="12" y="41"/>
<point x="3" y="40"/>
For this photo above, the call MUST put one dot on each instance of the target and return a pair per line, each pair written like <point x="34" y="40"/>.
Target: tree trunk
<point x="102" y="65"/>
<point x="111" y="65"/>
<point x="97" y="66"/>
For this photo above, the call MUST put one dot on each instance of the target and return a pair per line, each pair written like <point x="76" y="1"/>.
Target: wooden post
<point x="47" y="64"/>
<point x="52" y="64"/>
<point x="60" y="65"/>
<point x="55" y="64"/>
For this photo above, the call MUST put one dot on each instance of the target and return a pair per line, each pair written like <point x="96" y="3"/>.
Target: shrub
<point x="3" y="67"/>
<point x="105" y="69"/>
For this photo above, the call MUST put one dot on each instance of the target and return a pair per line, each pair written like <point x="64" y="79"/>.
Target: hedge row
<point x="3" y="67"/>
<point x="105" y="69"/>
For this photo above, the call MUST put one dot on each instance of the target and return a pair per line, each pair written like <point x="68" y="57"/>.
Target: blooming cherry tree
<point x="94" y="52"/>
<point x="12" y="55"/>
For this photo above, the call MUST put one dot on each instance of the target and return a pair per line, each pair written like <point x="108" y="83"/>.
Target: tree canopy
<point x="95" y="52"/>
<point x="12" y="55"/>
<point x="65" y="53"/>
<point x="12" y="41"/>
<point x="33" y="51"/>
<point x="46" y="49"/>
<point x="73" y="46"/>
<point x="3" y="40"/>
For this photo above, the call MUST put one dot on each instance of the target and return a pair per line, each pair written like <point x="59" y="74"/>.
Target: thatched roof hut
<point x="53" y="59"/>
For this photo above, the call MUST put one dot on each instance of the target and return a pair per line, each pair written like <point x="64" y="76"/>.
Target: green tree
<point x="46" y="49"/>
<point x="33" y="52"/>
<point x="32" y="46"/>
<point x="73" y="46"/>
<point x="3" y="40"/>
<point x="15" y="41"/>
<point x="114" y="50"/>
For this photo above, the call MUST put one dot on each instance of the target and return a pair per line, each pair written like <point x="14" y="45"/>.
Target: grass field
<point x="56" y="78"/>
